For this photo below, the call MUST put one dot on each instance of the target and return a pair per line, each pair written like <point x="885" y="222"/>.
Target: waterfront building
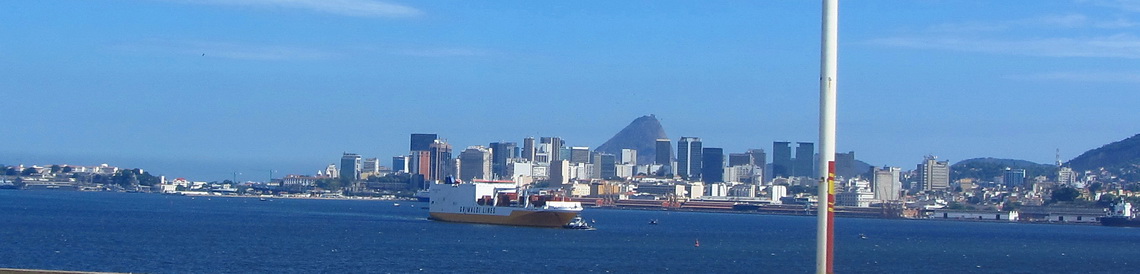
<point x="689" y="158"/>
<point x="475" y="163"/>
<point x="804" y="164"/>
<point x="501" y="152"/>
<point x="934" y="175"/>
<point x="712" y="165"/>
<point x="330" y="171"/>
<point x="350" y="166"/>
<point x="781" y="160"/>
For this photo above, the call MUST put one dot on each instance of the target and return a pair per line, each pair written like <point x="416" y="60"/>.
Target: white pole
<point x="827" y="82"/>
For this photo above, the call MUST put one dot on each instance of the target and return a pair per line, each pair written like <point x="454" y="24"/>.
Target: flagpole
<point x="827" y="80"/>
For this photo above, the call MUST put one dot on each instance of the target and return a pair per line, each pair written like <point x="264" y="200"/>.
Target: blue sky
<point x="205" y="88"/>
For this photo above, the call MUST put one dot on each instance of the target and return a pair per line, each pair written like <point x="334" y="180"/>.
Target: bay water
<point x="151" y="233"/>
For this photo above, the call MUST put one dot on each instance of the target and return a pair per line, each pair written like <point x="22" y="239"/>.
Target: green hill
<point x="1121" y="158"/>
<point x="988" y="168"/>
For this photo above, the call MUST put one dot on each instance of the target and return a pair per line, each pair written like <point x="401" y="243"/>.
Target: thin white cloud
<point x="1062" y="21"/>
<point x="444" y="52"/>
<point x="1110" y="77"/>
<point x="227" y="50"/>
<point x="1117" y="46"/>
<point x="364" y="8"/>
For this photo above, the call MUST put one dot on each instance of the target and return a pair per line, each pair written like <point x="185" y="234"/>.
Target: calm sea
<point x="125" y="232"/>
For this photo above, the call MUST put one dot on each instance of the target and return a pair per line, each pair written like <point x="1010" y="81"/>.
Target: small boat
<point x="862" y="236"/>
<point x="263" y="199"/>
<point x="578" y="223"/>
<point x="653" y="222"/>
<point x="396" y="204"/>
<point x="697" y="244"/>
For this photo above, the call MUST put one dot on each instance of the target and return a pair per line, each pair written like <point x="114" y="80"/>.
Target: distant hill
<point x="1121" y="158"/>
<point x="858" y="168"/>
<point x="641" y="135"/>
<point x="988" y="168"/>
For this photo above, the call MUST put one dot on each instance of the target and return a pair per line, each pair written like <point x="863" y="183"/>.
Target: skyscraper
<point x="555" y="146"/>
<point x="804" y="165"/>
<point x="739" y="159"/>
<point x="664" y="153"/>
<point x="628" y="156"/>
<point x="350" y="166"/>
<point x="441" y="162"/>
<point x="712" y="165"/>
<point x="475" y="163"/>
<point x="689" y="158"/>
<point x="528" y="148"/>
<point x="500" y="153"/>
<point x="400" y="164"/>
<point x="760" y="160"/>
<point x="579" y="155"/>
<point x="422" y="141"/>
<point x="886" y="183"/>
<point x="607" y="165"/>
<point x="781" y="159"/>
<point x="933" y="174"/>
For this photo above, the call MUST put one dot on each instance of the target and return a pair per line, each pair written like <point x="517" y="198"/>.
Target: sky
<point x="216" y="89"/>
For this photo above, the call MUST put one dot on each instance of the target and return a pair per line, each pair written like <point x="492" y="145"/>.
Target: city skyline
<point x="290" y="85"/>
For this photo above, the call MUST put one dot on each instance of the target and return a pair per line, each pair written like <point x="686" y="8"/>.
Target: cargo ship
<point x="1120" y="215"/>
<point x="499" y="203"/>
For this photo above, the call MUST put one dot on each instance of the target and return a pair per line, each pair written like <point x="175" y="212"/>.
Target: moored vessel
<point x="1120" y="215"/>
<point x="499" y="203"/>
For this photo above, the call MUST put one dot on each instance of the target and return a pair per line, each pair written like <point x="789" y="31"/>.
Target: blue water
<point x="124" y="232"/>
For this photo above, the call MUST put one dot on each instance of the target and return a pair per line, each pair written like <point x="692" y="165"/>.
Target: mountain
<point x="1121" y="158"/>
<point x="857" y="168"/>
<point x="641" y="134"/>
<point x="988" y="168"/>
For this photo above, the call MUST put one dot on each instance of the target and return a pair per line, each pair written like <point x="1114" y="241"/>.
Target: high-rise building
<point x="628" y="156"/>
<point x="579" y="155"/>
<point x="689" y="158"/>
<point x="606" y="164"/>
<point x="845" y="165"/>
<point x="1013" y="177"/>
<point x="739" y="159"/>
<point x="886" y="184"/>
<point x="664" y="153"/>
<point x="559" y="172"/>
<point x="422" y="141"/>
<point x="555" y="144"/>
<point x="712" y="165"/>
<point x="934" y="175"/>
<point x="400" y="164"/>
<point x="528" y="148"/>
<point x="370" y="166"/>
<point x="441" y="162"/>
<point x="781" y="160"/>
<point x="419" y="163"/>
<point x="350" y="166"/>
<point x="1066" y="176"/>
<point x="500" y="153"/>
<point x="475" y="163"/>
<point x="804" y="165"/>
<point x="760" y="162"/>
